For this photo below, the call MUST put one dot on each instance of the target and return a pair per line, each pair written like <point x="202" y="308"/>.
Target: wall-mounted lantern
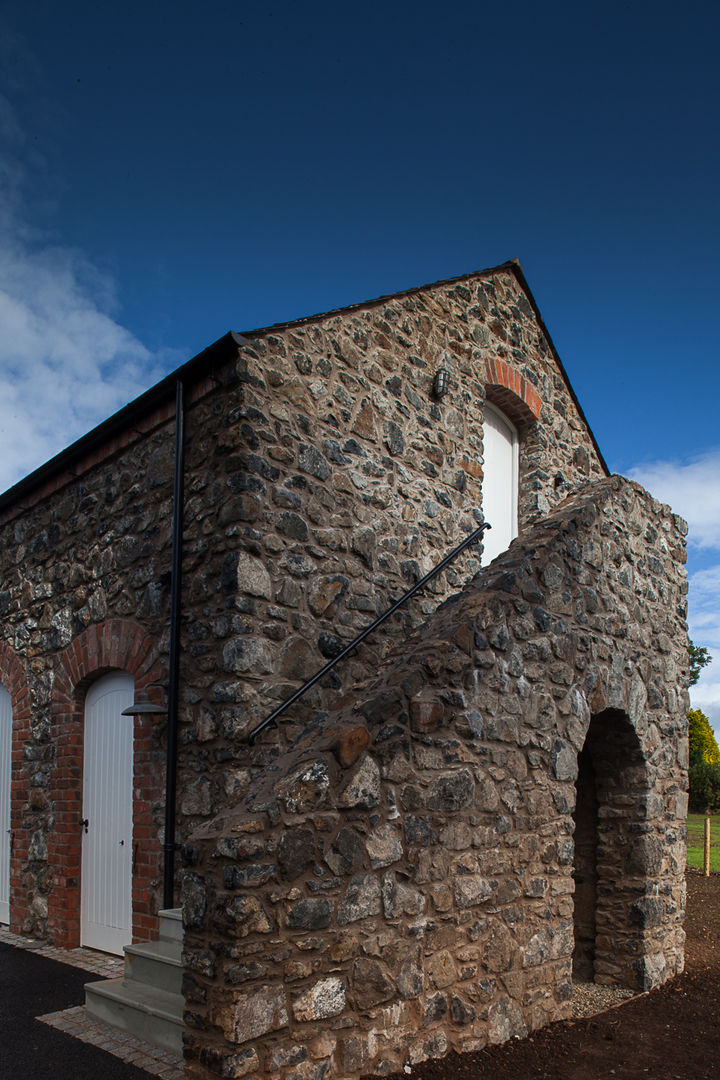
<point x="441" y="382"/>
<point x="143" y="706"/>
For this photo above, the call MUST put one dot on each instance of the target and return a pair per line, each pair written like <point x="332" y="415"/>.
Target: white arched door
<point x="5" y="826"/>
<point x="106" y="900"/>
<point x="500" y="482"/>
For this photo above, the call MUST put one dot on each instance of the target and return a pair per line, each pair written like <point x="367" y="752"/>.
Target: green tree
<point x="703" y="744"/>
<point x="704" y="786"/>
<point x="699" y="658"/>
<point x="704" y="764"/>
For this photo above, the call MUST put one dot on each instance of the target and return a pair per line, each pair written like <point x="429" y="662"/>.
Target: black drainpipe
<point x="174" y="663"/>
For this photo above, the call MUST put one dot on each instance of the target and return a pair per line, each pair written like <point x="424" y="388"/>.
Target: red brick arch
<point x="12" y="677"/>
<point x="511" y="392"/>
<point x="115" y="644"/>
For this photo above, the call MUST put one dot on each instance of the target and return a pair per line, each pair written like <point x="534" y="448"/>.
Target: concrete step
<point x="152" y="1014"/>
<point x="171" y="927"/>
<point x="147" y="1001"/>
<point x="155" y="963"/>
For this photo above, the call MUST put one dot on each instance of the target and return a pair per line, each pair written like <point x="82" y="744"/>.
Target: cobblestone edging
<point x="78" y="1023"/>
<point x="133" y="1051"/>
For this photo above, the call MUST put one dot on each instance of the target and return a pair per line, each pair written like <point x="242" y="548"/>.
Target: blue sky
<point x="169" y="171"/>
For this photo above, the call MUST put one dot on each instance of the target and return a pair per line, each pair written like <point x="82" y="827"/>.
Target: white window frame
<point x="514" y="482"/>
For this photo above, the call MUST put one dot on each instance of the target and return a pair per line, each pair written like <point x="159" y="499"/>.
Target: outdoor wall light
<point x="441" y="382"/>
<point x="143" y="706"/>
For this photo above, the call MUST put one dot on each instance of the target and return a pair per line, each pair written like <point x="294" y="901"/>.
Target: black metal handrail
<point x="368" y="630"/>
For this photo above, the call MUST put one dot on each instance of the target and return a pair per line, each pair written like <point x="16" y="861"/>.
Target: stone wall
<point x="322" y="479"/>
<point x="399" y="882"/>
<point x="388" y="874"/>
<point x="85" y="575"/>
<point x="331" y="480"/>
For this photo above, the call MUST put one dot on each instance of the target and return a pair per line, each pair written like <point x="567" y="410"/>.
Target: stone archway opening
<point x="615" y="854"/>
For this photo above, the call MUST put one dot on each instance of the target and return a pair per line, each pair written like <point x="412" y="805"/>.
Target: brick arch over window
<point x="512" y="393"/>
<point x="116" y="644"/>
<point x="12" y="677"/>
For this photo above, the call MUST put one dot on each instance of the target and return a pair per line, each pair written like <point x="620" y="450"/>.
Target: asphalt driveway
<point x="30" y="986"/>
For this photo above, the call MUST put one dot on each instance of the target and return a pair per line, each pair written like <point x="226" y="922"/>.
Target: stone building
<point x="485" y="799"/>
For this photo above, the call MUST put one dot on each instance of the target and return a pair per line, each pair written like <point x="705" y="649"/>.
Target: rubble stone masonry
<point x="322" y="479"/>
<point x="335" y="482"/>
<point x="348" y="917"/>
<point x="391" y="871"/>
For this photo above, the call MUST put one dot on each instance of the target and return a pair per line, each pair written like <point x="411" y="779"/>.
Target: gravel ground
<point x="589" y="999"/>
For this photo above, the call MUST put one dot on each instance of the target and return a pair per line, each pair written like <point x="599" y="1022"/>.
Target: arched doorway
<point x="5" y="823"/>
<point x="118" y="645"/>
<point x="615" y="854"/>
<point x="499" y="483"/>
<point x="107" y="820"/>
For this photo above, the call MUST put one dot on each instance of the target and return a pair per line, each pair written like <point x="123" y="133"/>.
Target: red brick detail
<point x="12" y="677"/>
<point x="511" y="392"/>
<point x="115" y="644"/>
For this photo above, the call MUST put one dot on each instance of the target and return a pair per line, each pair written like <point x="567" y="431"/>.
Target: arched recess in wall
<point x="118" y="645"/>
<point x="511" y="406"/>
<point x="14" y="784"/>
<point x="617" y="858"/>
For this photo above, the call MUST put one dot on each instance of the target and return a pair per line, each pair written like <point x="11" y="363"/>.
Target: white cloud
<point x="66" y="362"/>
<point x="704" y="606"/>
<point x="712" y="711"/>
<point x="706" y="696"/>
<point x="706" y="693"/>
<point x="692" y="488"/>
<point x="704" y="626"/>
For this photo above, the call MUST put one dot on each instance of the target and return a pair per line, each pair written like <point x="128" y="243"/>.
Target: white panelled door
<point x="5" y="774"/>
<point x="106" y="901"/>
<point x="500" y="483"/>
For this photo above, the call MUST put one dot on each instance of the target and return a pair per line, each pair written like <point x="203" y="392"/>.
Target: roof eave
<point x="226" y="346"/>
<point x="157" y="395"/>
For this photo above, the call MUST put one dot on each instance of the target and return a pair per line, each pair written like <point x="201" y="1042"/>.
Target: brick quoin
<point x="116" y="644"/>
<point x="511" y="392"/>
<point x="12" y="677"/>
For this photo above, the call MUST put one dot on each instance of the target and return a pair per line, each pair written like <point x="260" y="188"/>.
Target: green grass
<point x="696" y="832"/>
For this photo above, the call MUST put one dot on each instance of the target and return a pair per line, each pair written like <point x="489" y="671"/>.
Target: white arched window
<point x="500" y="482"/>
